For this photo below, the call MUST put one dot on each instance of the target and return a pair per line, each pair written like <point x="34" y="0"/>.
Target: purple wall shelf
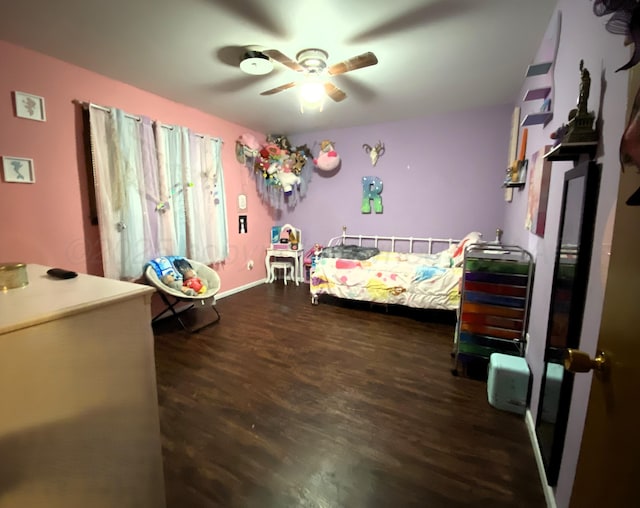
<point x="537" y="93"/>
<point x="537" y="118"/>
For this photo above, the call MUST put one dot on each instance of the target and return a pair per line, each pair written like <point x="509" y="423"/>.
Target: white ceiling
<point x="434" y="55"/>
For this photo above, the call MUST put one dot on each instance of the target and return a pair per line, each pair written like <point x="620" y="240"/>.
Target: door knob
<point x="579" y="361"/>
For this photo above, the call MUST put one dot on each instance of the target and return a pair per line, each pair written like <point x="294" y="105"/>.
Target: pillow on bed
<point x="349" y="252"/>
<point x="458" y="253"/>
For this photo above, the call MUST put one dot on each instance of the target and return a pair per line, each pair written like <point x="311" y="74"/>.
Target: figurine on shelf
<point x="579" y="128"/>
<point x="585" y="86"/>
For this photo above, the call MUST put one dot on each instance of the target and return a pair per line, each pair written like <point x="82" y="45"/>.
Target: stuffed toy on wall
<point x="328" y="159"/>
<point x="287" y="179"/>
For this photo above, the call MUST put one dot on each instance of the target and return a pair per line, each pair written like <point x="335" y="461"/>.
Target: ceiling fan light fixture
<point x="256" y="63"/>
<point x="313" y="59"/>
<point x="312" y="95"/>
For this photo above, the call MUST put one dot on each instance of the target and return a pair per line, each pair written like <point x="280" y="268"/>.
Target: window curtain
<point x="121" y="195"/>
<point x="206" y="213"/>
<point x="170" y="144"/>
<point x="159" y="191"/>
<point x="109" y="194"/>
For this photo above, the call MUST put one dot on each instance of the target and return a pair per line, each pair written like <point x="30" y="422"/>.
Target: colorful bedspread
<point x="414" y="280"/>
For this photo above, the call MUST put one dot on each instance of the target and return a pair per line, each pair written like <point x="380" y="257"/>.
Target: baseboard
<point x="549" y="496"/>
<point x="224" y="294"/>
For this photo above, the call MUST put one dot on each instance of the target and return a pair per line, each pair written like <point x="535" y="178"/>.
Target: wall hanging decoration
<point x="371" y="190"/>
<point x="18" y="170"/>
<point x="375" y="152"/>
<point x="327" y="159"/>
<point x="513" y="149"/>
<point x="29" y="106"/>
<point x="517" y="171"/>
<point x="625" y="20"/>
<point x="539" y="183"/>
<point x="280" y="170"/>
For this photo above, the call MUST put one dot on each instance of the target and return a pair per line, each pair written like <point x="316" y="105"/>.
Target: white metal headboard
<point x="393" y="243"/>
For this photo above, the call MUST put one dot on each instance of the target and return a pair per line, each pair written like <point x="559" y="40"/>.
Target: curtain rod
<point x="87" y="105"/>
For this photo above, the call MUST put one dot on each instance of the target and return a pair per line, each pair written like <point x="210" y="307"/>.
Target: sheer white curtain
<point x="172" y="168"/>
<point x="137" y="244"/>
<point x="197" y="217"/>
<point x="166" y="223"/>
<point x="158" y="191"/>
<point x="125" y="231"/>
<point x="109" y="193"/>
<point x="208" y="224"/>
<point x="219" y="238"/>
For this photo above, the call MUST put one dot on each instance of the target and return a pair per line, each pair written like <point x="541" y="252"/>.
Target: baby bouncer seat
<point x="167" y="275"/>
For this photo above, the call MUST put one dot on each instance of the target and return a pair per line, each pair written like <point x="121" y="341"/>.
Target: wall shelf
<point x="539" y="69"/>
<point x="537" y="93"/>
<point x="542" y="117"/>
<point x="572" y="151"/>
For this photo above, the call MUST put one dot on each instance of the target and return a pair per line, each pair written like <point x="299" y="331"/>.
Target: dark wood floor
<point x="284" y="404"/>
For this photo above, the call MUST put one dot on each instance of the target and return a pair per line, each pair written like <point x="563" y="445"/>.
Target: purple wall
<point x="583" y="36"/>
<point x="441" y="177"/>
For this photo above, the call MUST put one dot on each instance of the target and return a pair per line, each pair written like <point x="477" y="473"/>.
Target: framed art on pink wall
<point x="539" y="182"/>
<point x="29" y="106"/>
<point x="18" y="170"/>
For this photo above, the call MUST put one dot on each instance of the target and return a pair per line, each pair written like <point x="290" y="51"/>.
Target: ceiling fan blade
<point x="334" y="92"/>
<point x="280" y="88"/>
<point x="276" y="55"/>
<point x="357" y="62"/>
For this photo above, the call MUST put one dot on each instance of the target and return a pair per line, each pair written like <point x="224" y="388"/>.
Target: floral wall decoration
<point x="280" y="170"/>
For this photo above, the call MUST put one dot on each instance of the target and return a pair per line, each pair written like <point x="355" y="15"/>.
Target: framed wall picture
<point x="513" y="150"/>
<point x="18" y="170"/>
<point x="539" y="186"/>
<point x="29" y="106"/>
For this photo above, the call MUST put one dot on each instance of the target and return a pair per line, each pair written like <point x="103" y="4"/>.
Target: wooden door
<point x="609" y="463"/>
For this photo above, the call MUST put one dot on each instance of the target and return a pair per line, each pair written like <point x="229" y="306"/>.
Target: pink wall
<point x="47" y="222"/>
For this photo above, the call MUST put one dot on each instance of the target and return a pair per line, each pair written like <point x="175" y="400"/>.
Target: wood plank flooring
<point x="283" y="404"/>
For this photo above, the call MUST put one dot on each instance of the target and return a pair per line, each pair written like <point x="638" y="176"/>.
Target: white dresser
<point x="79" y="420"/>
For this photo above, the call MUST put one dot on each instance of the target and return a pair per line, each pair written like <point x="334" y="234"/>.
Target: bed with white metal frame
<point x="409" y="271"/>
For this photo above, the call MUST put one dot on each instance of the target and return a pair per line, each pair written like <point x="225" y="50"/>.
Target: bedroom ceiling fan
<point x="312" y="63"/>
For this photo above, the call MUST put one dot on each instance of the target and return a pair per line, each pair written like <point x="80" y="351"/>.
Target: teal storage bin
<point x="508" y="383"/>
